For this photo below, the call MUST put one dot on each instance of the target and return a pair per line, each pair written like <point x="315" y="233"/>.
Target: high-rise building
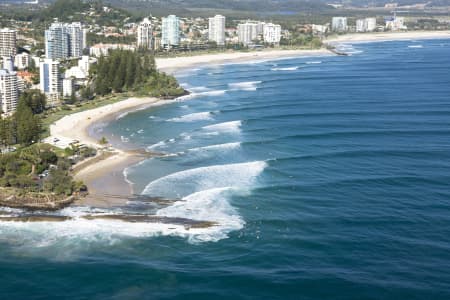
<point x="339" y="24"/>
<point x="9" y="92"/>
<point x="75" y="31"/>
<point x="64" y="40"/>
<point x="145" y="34"/>
<point x="272" y="33"/>
<point x="170" y="31"/>
<point x="57" y="42"/>
<point x="50" y="79"/>
<point x="8" y="40"/>
<point x="248" y="32"/>
<point x="217" y="30"/>
<point x="366" y="25"/>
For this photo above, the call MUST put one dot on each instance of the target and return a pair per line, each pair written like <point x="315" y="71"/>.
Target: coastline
<point x="386" y="36"/>
<point x="173" y="64"/>
<point x="105" y="176"/>
<point x="104" y="173"/>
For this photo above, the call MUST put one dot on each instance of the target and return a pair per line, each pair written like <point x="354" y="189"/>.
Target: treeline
<point x="128" y="71"/>
<point x="302" y="40"/>
<point x="24" y="126"/>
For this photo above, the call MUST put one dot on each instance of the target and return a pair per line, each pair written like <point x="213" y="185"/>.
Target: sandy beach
<point x="172" y="64"/>
<point x="387" y="36"/>
<point x="105" y="176"/>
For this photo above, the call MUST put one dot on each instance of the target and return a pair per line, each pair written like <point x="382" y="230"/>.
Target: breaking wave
<point x="232" y="126"/>
<point x="201" y="116"/>
<point x="285" y="69"/>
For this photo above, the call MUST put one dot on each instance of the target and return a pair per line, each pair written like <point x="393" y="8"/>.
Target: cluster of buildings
<point x="63" y="40"/>
<point x="169" y="36"/>
<point x="340" y="24"/>
<point x="67" y="42"/>
<point x="253" y="32"/>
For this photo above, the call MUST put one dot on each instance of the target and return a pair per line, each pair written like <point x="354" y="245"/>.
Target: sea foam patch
<point x="244" y="86"/>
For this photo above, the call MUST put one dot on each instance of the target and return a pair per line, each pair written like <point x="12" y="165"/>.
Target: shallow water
<point x="328" y="177"/>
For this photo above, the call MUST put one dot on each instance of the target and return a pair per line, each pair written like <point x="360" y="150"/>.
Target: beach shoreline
<point x="105" y="177"/>
<point x="386" y="36"/>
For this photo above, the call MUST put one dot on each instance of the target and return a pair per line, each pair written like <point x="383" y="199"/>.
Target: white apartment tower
<point x="217" y="30"/>
<point x="57" y="42"/>
<point x="248" y="32"/>
<point x="145" y="34"/>
<point x="366" y="25"/>
<point x="50" y="79"/>
<point x="170" y="31"/>
<point x="64" y="40"/>
<point x="8" y="39"/>
<point x="75" y="32"/>
<point x="339" y="24"/>
<point x="272" y="34"/>
<point x="9" y="92"/>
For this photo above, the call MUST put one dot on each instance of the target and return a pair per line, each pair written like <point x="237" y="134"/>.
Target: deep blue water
<point x="328" y="178"/>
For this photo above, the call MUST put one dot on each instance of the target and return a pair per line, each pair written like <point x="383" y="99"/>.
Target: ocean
<point x="328" y="178"/>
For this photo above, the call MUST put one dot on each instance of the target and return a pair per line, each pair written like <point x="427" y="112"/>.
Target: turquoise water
<point x="328" y="178"/>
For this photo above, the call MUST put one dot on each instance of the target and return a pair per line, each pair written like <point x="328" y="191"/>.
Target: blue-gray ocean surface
<point x="329" y="178"/>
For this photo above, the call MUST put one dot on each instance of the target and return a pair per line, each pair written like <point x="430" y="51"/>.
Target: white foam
<point x="200" y="116"/>
<point x="316" y="62"/>
<point x="189" y="181"/>
<point x="415" y="46"/>
<point x="66" y="241"/>
<point x="209" y="205"/>
<point x="198" y="89"/>
<point x="285" y="69"/>
<point x="201" y="94"/>
<point x="232" y="126"/>
<point x="160" y="144"/>
<point x="244" y="86"/>
<point x="220" y="147"/>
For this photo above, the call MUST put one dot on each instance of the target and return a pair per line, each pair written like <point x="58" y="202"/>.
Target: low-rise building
<point x="8" y="63"/>
<point x="103" y="49"/>
<point x="395" y="23"/>
<point x="68" y="87"/>
<point x="22" y="61"/>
